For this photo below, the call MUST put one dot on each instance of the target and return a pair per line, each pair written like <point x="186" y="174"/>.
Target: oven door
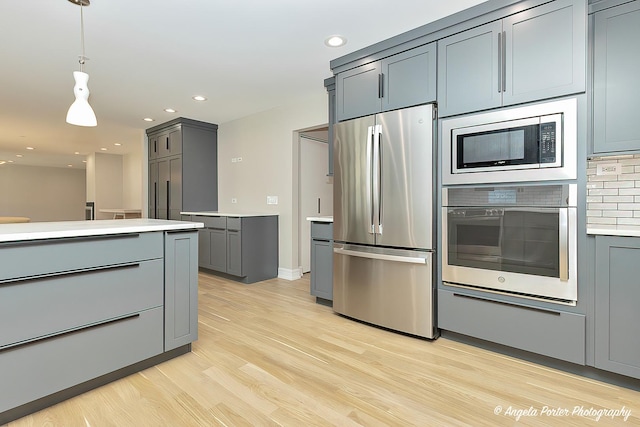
<point x="520" y="250"/>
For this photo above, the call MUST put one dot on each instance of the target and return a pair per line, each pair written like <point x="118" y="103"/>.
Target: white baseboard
<point x="290" y="274"/>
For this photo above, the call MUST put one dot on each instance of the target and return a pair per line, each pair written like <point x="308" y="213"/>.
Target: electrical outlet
<point x="609" y="169"/>
<point x="239" y="159"/>
<point x="234" y="159"/>
<point x="234" y="200"/>
<point x="272" y="200"/>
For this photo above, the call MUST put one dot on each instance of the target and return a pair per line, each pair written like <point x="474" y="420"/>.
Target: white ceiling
<point x="245" y="56"/>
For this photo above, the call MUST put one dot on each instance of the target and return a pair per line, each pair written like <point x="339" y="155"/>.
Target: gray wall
<point x="42" y="193"/>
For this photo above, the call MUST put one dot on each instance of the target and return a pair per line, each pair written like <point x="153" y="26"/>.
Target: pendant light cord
<point x="82" y="58"/>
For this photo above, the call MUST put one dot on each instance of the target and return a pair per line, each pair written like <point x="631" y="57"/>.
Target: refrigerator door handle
<point x="383" y="257"/>
<point x="377" y="180"/>
<point x="369" y="181"/>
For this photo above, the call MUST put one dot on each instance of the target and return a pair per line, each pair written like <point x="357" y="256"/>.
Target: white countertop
<point x="327" y="218"/>
<point x="614" y="230"/>
<point x="55" y="230"/>
<point x="121" y="210"/>
<point x="233" y="214"/>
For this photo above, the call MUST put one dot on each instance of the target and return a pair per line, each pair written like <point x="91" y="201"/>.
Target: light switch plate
<point x="272" y="200"/>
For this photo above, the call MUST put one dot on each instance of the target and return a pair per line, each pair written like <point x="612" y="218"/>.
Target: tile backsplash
<point x="613" y="190"/>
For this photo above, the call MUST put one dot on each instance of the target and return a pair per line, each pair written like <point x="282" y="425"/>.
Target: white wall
<point x="42" y="193"/>
<point x="268" y="147"/>
<point x="132" y="179"/>
<point x="108" y="178"/>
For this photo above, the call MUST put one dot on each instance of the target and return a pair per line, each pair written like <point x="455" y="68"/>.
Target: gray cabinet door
<point x="175" y="142"/>
<point x="332" y="120"/>
<point x="358" y="91"/>
<point x="616" y="92"/>
<point x="617" y="298"/>
<point x="163" y="144"/>
<point x="153" y="189"/>
<point x="234" y="252"/>
<point x="322" y="269"/>
<point x="175" y="187"/>
<point x="409" y="78"/>
<point x="181" y="289"/>
<point x="545" y="52"/>
<point x="468" y="70"/>
<point x="164" y="179"/>
<point x="153" y="147"/>
<point x="204" y="248"/>
<point x="218" y="250"/>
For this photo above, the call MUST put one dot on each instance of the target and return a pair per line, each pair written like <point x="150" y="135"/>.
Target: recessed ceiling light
<point x="103" y="149"/>
<point x="70" y="166"/>
<point x="18" y="155"/>
<point x="169" y="110"/>
<point x="148" y="119"/>
<point x="335" y="41"/>
<point x="77" y="152"/>
<point x="199" y="98"/>
<point x="30" y="148"/>
<point x="117" y="144"/>
<point x="2" y="162"/>
<point x="84" y="161"/>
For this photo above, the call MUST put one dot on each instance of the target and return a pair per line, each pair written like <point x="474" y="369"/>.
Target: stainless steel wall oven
<point x="519" y="240"/>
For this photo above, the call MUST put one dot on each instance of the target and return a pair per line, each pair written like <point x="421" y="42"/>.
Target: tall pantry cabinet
<point x="183" y="168"/>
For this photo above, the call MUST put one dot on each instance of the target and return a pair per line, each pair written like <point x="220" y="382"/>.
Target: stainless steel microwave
<point x="531" y="143"/>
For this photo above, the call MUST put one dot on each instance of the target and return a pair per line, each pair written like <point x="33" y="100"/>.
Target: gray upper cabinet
<point x="468" y="72"/>
<point x="531" y="55"/>
<point x="330" y="85"/>
<point x="616" y="91"/>
<point x="401" y="80"/>
<point x="617" y="297"/>
<point x="183" y="175"/>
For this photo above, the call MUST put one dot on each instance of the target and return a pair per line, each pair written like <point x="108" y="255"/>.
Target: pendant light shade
<point x="80" y="113"/>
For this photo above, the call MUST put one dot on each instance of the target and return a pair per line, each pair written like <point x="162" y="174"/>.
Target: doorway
<point x="315" y="189"/>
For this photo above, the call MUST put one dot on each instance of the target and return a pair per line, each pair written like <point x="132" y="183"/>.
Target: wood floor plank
<point x="268" y="355"/>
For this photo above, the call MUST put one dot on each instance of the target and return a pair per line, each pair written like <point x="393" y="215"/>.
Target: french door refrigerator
<point x="383" y="220"/>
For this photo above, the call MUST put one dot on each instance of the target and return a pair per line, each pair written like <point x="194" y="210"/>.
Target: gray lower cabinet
<point x="535" y="54"/>
<point x="322" y="260"/>
<point x="245" y="248"/>
<point x="88" y="308"/>
<point x="617" y="300"/>
<point x="183" y="158"/>
<point x="616" y="90"/>
<point x="554" y="333"/>
<point x="180" y="288"/>
<point x="402" y="80"/>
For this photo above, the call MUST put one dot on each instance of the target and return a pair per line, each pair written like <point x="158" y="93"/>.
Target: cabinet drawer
<point x="74" y="300"/>
<point x="234" y="223"/>
<point x="322" y="230"/>
<point x="42" y="368"/>
<point x="211" y="221"/>
<point x="551" y="333"/>
<point x="39" y="257"/>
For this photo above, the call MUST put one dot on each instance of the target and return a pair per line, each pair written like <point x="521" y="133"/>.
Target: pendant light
<point x="80" y="113"/>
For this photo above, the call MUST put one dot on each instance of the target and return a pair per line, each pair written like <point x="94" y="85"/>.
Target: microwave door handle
<point x="377" y="179"/>
<point x="563" y="222"/>
<point x="369" y="180"/>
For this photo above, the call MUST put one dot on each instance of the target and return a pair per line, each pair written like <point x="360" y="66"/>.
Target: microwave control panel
<point x="547" y="143"/>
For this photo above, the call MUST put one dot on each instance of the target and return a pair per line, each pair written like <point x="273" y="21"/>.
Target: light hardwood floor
<point x="268" y="355"/>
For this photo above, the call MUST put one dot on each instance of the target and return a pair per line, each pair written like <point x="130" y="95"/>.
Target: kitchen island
<point x="83" y="303"/>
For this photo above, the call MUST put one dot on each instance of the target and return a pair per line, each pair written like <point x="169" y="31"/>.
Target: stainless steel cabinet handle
<point x="383" y="257"/>
<point x="380" y="85"/>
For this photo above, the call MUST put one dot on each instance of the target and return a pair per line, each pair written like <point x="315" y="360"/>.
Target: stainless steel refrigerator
<point x="383" y="220"/>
